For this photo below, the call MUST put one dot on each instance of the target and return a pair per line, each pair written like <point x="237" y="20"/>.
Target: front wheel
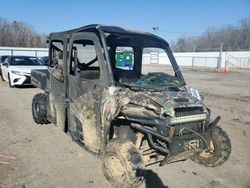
<point x="123" y="164"/>
<point x="1" y="72"/>
<point x="218" y="151"/>
<point x="10" y="85"/>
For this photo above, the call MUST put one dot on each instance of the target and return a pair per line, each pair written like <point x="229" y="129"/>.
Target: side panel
<point x="57" y="102"/>
<point x="85" y="95"/>
<point x="39" y="78"/>
<point x="84" y="112"/>
<point x="57" y="88"/>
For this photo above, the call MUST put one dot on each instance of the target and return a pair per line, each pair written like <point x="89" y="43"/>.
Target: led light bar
<point x="188" y="119"/>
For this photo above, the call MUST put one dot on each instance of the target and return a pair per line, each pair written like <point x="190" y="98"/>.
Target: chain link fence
<point x="190" y="60"/>
<point x="198" y="62"/>
<point x="38" y="52"/>
<point x="237" y="62"/>
<point x="213" y="60"/>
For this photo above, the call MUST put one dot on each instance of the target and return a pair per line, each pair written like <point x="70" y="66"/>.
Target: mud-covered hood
<point x="120" y="100"/>
<point x="171" y="100"/>
<point x="164" y="102"/>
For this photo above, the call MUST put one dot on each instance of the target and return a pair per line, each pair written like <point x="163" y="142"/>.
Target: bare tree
<point x="20" y="34"/>
<point x="233" y="38"/>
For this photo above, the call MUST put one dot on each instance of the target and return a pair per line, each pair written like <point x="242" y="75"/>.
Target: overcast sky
<point x="174" y="18"/>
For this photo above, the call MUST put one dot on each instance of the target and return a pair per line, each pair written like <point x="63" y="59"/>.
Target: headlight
<point x="188" y="119"/>
<point x="16" y="72"/>
<point x="194" y="92"/>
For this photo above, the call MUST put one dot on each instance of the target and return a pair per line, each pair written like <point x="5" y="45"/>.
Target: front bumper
<point x="183" y="136"/>
<point x="20" y="79"/>
<point x="184" y="146"/>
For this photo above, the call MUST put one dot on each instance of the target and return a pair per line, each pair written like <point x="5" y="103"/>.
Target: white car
<point x="17" y="69"/>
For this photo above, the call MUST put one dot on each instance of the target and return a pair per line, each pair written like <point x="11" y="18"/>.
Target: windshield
<point x="156" y="70"/>
<point x="2" y="58"/>
<point x="44" y="60"/>
<point x="25" y="61"/>
<point x="141" y="63"/>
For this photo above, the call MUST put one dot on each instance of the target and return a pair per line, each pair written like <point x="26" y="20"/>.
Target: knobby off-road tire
<point x="39" y="108"/>
<point x="123" y="164"/>
<point x="221" y="149"/>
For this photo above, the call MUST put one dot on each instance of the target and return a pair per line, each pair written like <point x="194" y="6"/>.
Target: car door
<point x="57" y="80"/>
<point x="86" y="84"/>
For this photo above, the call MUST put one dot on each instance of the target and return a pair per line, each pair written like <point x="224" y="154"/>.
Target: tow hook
<point x="214" y="123"/>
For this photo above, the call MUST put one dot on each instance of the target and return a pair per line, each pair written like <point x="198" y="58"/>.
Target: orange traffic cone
<point x="226" y="69"/>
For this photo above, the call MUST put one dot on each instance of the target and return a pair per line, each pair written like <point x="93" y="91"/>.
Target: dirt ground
<point x="46" y="157"/>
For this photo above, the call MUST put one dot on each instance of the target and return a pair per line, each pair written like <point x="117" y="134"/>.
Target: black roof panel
<point x="109" y="29"/>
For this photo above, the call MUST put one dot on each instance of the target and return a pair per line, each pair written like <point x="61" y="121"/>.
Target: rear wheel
<point x="218" y="151"/>
<point x="123" y="164"/>
<point x="39" y="108"/>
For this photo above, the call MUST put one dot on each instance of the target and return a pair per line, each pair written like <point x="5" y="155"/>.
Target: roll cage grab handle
<point x="108" y="62"/>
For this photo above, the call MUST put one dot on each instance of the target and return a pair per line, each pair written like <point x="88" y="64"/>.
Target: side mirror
<point x="5" y="64"/>
<point x="57" y="74"/>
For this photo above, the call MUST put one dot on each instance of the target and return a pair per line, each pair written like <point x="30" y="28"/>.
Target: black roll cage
<point x="101" y="30"/>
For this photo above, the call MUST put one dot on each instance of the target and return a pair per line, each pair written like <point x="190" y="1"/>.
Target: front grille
<point x="27" y="80"/>
<point x="185" y="128"/>
<point x="186" y="111"/>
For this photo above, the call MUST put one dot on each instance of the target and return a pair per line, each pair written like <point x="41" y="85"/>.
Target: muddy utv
<point x="121" y="95"/>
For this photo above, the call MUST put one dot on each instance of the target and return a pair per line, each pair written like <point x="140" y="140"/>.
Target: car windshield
<point x="140" y="62"/>
<point x="44" y="60"/>
<point x="25" y="61"/>
<point x="2" y="58"/>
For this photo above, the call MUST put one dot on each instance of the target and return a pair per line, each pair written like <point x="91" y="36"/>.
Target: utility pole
<point x="194" y="50"/>
<point x="220" y="56"/>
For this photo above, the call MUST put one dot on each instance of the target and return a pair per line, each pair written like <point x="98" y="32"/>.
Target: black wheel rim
<point x="36" y="109"/>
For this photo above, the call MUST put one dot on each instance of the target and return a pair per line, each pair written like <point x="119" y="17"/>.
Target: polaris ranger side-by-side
<point x="121" y="95"/>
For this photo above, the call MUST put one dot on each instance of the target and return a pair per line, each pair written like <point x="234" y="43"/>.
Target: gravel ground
<point x="46" y="157"/>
